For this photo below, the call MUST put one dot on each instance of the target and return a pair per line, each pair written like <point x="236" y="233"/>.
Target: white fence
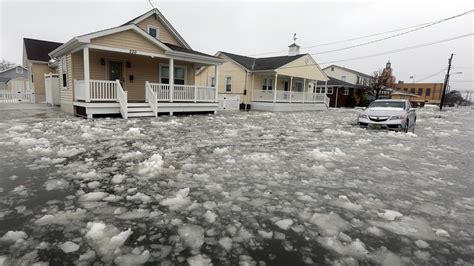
<point x="183" y="93"/>
<point x="51" y="85"/>
<point x="14" y="97"/>
<point x="288" y="97"/>
<point x="99" y="90"/>
<point x="229" y="102"/>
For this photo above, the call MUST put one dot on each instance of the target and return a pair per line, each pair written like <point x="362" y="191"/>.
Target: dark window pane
<point x="152" y="32"/>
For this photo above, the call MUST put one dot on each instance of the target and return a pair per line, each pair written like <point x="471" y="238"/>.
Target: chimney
<point x="294" y="49"/>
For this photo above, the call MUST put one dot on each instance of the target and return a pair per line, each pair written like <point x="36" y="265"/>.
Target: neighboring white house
<point x="348" y="75"/>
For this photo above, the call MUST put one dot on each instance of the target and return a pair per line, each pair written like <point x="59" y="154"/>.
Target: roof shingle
<point x="264" y="63"/>
<point x="38" y="50"/>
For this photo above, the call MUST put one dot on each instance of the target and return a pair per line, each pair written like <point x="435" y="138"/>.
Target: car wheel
<point x="405" y="129"/>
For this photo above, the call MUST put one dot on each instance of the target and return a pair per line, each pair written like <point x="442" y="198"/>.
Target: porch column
<point x="291" y="86"/>
<point x="304" y="88"/>
<point x="216" y="82"/>
<point x="253" y="85"/>
<point x="275" y="89"/>
<point x="337" y="97"/>
<point x="85" y="53"/>
<point x="171" y="78"/>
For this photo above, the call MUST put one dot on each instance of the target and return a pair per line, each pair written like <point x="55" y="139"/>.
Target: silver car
<point x="395" y="115"/>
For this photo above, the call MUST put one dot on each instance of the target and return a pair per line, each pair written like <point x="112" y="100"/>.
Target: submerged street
<point x="256" y="188"/>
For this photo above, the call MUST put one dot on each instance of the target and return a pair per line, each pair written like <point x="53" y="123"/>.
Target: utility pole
<point x="446" y="80"/>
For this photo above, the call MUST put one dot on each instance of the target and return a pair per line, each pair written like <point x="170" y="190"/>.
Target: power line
<point x="418" y="27"/>
<point x="432" y="75"/>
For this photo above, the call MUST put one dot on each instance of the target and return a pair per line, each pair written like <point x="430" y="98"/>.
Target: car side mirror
<point x="412" y="109"/>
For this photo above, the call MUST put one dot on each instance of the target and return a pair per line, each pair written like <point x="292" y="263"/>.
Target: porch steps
<point x="139" y="110"/>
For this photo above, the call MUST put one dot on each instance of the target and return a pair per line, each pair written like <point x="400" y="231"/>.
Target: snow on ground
<point x="241" y="188"/>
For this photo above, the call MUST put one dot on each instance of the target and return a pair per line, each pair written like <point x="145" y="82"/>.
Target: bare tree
<point x="4" y="64"/>
<point x="382" y="78"/>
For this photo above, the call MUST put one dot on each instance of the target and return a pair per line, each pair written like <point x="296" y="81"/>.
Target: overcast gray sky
<point x="251" y="28"/>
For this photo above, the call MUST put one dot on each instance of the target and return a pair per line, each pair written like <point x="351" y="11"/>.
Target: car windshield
<point x="389" y="104"/>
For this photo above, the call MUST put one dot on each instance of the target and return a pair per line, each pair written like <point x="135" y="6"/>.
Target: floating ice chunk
<point x="117" y="179"/>
<point x="220" y="151"/>
<point x="226" y="243"/>
<point x="390" y="215"/>
<point x="93" y="196"/>
<point x="69" y="247"/>
<point x="199" y="260"/>
<point x="31" y="141"/>
<point x="133" y="215"/>
<point x="328" y="155"/>
<point x="140" y="197"/>
<point x="89" y="255"/>
<point x="151" y="166"/>
<point x="442" y="232"/>
<point x="65" y="152"/>
<point x="132" y="259"/>
<point x="180" y="200"/>
<point x="345" y="203"/>
<point x="40" y="150"/>
<point x="56" y="184"/>
<point x="329" y="224"/>
<point x="62" y="218"/>
<point x="210" y="216"/>
<point x="20" y="190"/>
<point x="129" y="156"/>
<point x="133" y="132"/>
<point x="329" y="131"/>
<point x="265" y="234"/>
<point x="375" y="231"/>
<point x="106" y="239"/>
<point x="192" y="235"/>
<point x="13" y="236"/>
<point x="408" y="226"/>
<point x="356" y="248"/>
<point x="93" y="184"/>
<point x="421" y="243"/>
<point x="284" y="224"/>
<point x="259" y="157"/>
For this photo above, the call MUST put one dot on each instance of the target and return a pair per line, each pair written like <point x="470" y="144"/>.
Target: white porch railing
<point x="289" y="97"/>
<point x="7" y="96"/>
<point x="99" y="90"/>
<point x="151" y="98"/>
<point x="183" y="93"/>
<point x="122" y="99"/>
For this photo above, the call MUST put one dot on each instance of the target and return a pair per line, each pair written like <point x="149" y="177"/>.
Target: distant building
<point x="348" y="75"/>
<point x="12" y="73"/>
<point x="424" y="92"/>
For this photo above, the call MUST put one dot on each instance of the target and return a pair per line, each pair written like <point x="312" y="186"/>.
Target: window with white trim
<point x="213" y="81"/>
<point x="19" y="70"/>
<point x="267" y="85"/>
<point x="343" y="78"/>
<point x="329" y="91"/>
<point x="64" y="72"/>
<point x="179" y="75"/>
<point x="153" y="31"/>
<point x="346" y="91"/>
<point x="319" y="89"/>
<point x="228" y="84"/>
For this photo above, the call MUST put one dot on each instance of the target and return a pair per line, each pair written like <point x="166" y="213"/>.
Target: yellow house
<point x="126" y="70"/>
<point x="280" y="83"/>
<point x="36" y="60"/>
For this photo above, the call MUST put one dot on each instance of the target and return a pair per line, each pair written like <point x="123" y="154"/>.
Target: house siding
<point x="11" y="74"/>
<point x="128" y="39"/>
<point x="164" y="35"/>
<point x="302" y="67"/>
<point x="66" y="96"/>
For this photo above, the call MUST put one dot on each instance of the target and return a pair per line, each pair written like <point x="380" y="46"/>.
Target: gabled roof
<point x="264" y="63"/>
<point x="350" y="70"/>
<point x="333" y="82"/>
<point x="184" y="50"/>
<point x="38" y="50"/>
<point x="162" y="19"/>
<point x="13" y="67"/>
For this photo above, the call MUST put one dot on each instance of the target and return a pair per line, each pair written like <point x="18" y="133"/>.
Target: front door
<point x="115" y="71"/>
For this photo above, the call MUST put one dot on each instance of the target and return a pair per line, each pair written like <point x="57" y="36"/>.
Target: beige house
<point x="126" y="70"/>
<point x="422" y="92"/>
<point x="281" y="83"/>
<point x="36" y="60"/>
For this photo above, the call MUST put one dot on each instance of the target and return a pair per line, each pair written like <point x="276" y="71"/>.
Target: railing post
<point x="146" y="92"/>
<point x="85" y="52"/>
<point x="275" y="89"/>
<point x="195" y="93"/>
<point x="171" y="78"/>
<point x="291" y="87"/>
<point x="216" y="83"/>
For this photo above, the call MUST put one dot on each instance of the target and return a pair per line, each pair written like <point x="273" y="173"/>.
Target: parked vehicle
<point x="397" y="115"/>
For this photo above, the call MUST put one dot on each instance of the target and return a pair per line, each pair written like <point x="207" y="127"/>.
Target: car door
<point x="410" y="114"/>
